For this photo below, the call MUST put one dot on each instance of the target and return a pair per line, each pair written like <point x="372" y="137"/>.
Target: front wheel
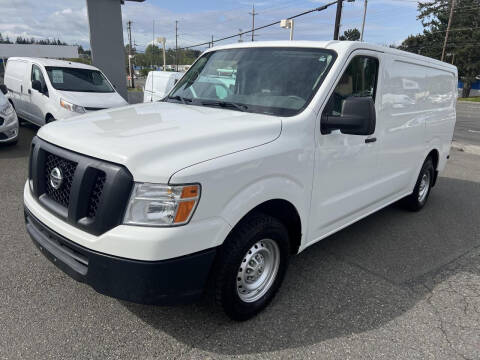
<point x="251" y="266"/>
<point x="417" y="200"/>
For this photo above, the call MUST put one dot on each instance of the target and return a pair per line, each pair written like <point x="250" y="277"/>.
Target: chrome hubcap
<point x="258" y="270"/>
<point x="424" y="186"/>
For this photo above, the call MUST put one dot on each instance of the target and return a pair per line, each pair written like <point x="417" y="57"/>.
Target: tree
<point x="350" y="35"/>
<point x="462" y="49"/>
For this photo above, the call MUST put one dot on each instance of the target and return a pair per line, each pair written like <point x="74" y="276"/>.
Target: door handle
<point x="370" y="140"/>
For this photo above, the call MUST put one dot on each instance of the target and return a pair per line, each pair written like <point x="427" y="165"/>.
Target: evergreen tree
<point x="351" y="35"/>
<point x="463" y="46"/>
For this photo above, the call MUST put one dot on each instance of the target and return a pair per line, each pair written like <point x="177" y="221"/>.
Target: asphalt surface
<point x="396" y="285"/>
<point x="467" y="130"/>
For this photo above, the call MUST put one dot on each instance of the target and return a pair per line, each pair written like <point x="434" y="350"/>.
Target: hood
<point x="154" y="140"/>
<point x="93" y="99"/>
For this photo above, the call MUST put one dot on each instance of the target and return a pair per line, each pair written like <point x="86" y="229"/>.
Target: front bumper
<point x="9" y="132"/>
<point x="165" y="282"/>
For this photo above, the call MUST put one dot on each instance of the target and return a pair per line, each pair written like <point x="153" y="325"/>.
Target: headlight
<point x="71" y="107"/>
<point x="7" y="110"/>
<point x="161" y="205"/>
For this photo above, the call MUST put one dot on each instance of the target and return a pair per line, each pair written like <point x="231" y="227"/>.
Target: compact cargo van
<point x="43" y="90"/>
<point x="225" y="181"/>
<point x="158" y="84"/>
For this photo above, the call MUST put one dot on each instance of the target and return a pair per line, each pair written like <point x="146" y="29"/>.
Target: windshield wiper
<point x="180" y="98"/>
<point x="225" y="104"/>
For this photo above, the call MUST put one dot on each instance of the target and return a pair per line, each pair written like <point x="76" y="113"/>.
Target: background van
<point x="43" y="90"/>
<point x="158" y="84"/>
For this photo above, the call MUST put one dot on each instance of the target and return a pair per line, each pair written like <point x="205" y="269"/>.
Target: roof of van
<point x="165" y="73"/>
<point x="341" y="47"/>
<point x="54" y="62"/>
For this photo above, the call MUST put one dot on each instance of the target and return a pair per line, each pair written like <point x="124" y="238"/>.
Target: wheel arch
<point x="48" y="115"/>
<point x="286" y="212"/>
<point x="434" y="154"/>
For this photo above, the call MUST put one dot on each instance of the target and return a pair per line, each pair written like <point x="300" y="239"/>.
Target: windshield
<point x="79" y="80"/>
<point x="277" y="81"/>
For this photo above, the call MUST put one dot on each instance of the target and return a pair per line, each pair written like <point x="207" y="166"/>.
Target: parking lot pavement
<point x="396" y="285"/>
<point x="467" y="130"/>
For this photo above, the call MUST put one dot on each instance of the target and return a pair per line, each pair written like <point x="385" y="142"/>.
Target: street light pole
<point x="364" y="18"/>
<point x="129" y="25"/>
<point x="162" y="40"/>
<point x="288" y="24"/>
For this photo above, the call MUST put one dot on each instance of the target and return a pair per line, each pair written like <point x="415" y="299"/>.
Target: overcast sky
<point x="388" y="21"/>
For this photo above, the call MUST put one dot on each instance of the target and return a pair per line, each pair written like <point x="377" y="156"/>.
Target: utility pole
<point x="130" y="55"/>
<point x="364" y="18"/>
<point x="212" y="40"/>
<point x="338" y="18"/>
<point x="452" y="5"/>
<point x="153" y="46"/>
<point x="240" y="35"/>
<point x="176" y="45"/>
<point x="253" y="13"/>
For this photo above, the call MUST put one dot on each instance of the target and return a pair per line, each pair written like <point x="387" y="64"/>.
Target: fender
<point x="271" y="188"/>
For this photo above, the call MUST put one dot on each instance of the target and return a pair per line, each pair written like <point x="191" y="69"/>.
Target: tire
<point x="49" y="119"/>
<point x="418" y="198"/>
<point x="259" y="237"/>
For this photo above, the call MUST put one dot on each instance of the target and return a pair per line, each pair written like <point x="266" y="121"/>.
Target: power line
<point x="320" y="8"/>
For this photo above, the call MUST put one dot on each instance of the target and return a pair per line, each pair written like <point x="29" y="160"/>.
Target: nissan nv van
<point x="159" y="84"/>
<point x="219" y="185"/>
<point x="44" y="90"/>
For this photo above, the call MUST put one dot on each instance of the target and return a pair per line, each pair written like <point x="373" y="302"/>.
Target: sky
<point x="388" y="21"/>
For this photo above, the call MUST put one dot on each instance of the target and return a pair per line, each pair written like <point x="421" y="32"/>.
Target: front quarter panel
<point x="235" y="184"/>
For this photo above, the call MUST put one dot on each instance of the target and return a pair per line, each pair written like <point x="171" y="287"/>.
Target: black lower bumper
<point x="165" y="282"/>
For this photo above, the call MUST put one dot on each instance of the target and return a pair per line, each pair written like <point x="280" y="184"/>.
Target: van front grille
<point x="96" y="195"/>
<point x="92" y="194"/>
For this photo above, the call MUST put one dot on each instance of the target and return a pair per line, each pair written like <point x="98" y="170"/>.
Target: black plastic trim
<point x="165" y="282"/>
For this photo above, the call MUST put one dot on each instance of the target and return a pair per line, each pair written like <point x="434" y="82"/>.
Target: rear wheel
<point x="251" y="266"/>
<point x="417" y="200"/>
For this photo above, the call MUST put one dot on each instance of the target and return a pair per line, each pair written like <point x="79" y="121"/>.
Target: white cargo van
<point x="158" y="84"/>
<point x="43" y="90"/>
<point x="224" y="183"/>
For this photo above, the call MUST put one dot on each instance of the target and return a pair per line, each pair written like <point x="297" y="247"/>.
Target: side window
<point x="358" y="80"/>
<point x="37" y="75"/>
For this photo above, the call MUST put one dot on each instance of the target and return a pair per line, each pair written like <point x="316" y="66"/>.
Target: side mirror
<point x="3" y="89"/>
<point x="358" y="118"/>
<point x="37" y="85"/>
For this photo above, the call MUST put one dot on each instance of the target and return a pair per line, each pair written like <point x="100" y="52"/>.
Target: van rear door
<point x="15" y="81"/>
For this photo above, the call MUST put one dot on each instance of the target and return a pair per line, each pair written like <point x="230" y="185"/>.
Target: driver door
<point x="346" y="165"/>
